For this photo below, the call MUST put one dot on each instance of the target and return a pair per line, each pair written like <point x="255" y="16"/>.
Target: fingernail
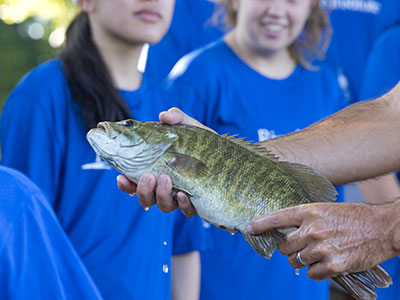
<point x="132" y="194"/>
<point x="145" y="179"/>
<point x="162" y="182"/>
<point x="250" y="228"/>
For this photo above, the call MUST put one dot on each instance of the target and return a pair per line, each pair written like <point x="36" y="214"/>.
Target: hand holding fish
<point x="152" y="190"/>
<point x="333" y="239"/>
<point x="210" y="168"/>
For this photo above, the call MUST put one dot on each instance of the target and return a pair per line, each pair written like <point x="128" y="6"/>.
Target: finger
<point x="285" y="218"/>
<point x="145" y="190"/>
<point x="176" y="116"/>
<point x="293" y="261"/>
<point x="172" y="116"/>
<point x="125" y="185"/>
<point x="319" y="271"/>
<point x="164" y="198"/>
<point x="185" y="205"/>
<point x="307" y="257"/>
<point x="293" y="243"/>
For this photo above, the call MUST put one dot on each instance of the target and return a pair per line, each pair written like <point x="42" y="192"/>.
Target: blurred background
<point x="31" y="31"/>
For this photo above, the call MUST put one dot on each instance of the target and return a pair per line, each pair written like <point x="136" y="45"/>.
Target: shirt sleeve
<point x="189" y="234"/>
<point x="28" y="140"/>
<point x="37" y="260"/>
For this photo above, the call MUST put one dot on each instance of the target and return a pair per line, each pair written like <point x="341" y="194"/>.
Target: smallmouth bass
<point x="230" y="181"/>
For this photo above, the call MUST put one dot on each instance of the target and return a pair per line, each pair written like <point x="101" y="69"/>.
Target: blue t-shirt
<point x="126" y="250"/>
<point x="37" y="261"/>
<point x="191" y="28"/>
<point x="356" y="26"/>
<point x="222" y="91"/>
<point x="382" y="73"/>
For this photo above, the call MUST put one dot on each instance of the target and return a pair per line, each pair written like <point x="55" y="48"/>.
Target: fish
<point x="229" y="180"/>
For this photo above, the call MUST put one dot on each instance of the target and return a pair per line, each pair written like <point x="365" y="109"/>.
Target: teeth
<point x="274" y="27"/>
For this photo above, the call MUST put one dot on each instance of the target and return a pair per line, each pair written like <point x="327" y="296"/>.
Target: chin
<point x="153" y="39"/>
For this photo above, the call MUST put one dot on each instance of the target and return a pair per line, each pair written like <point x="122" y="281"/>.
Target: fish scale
<point x="230" y="181"/>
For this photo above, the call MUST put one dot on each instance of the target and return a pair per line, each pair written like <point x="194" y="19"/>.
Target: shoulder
<point x="389" y="40"/>
<point x="44" y="87"/>
<point x="18" y="194"/>
<point x="325" y="74"/>
<point x="45" y="76"/>
<point x="328" y="82"/>
<point x="205" y="59"/>
<point x="15" y="185"/>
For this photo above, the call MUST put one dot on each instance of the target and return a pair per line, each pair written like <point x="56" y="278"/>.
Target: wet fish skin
<point x="230" y="181"/>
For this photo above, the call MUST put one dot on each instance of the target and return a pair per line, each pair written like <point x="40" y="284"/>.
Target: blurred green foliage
<point x="21" y="51"/>
<point x="18" y="55"/>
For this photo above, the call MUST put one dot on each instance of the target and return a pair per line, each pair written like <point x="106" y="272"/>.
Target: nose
<point x="276" y="8"/>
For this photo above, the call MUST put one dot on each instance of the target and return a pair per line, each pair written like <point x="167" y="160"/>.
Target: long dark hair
<point x="88" y="78"/>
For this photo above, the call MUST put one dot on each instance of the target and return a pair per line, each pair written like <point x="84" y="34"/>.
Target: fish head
<point x="131" y="145"/>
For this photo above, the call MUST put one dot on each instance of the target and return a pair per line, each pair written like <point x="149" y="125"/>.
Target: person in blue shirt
<point x="126" y="250"/>
<point x="356" y="25"/>
<point x="191" y="28"/>
<point x="382" y="71"/>
<point x="34" y="246"/>
<point x="261" y="69"/>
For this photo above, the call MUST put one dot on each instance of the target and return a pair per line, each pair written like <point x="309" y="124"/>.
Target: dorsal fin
<point x="317" y="187"/>
<point x="255" y="147"/>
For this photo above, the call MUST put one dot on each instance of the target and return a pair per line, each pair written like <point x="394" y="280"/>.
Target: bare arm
<point x="380" y="190"/>
<point x="359" y="142"/>
<point x="186" y="276"/>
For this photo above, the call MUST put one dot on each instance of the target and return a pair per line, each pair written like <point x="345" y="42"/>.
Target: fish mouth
<point x="101" y="126"/>
<point x="104" y="127"/>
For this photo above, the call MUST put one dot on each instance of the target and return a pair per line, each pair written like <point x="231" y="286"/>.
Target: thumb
<point x="176" y="116"/>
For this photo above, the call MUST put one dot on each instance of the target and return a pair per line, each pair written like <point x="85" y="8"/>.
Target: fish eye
<point x="129" y="123"/>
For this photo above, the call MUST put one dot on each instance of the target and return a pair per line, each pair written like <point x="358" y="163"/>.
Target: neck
<point x="274" y="65"/>
<point x="121" y="59"/>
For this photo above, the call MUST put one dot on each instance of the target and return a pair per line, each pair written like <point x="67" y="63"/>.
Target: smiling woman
<point x="128" y="252"/>
<point x="257" y="79"/>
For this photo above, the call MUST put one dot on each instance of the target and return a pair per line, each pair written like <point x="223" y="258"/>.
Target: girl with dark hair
<point x="259" y="81"/>
<point x="126" y="250"/>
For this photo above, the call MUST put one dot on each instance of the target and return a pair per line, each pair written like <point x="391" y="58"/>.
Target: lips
<point x="273" y="29"/>
<point x="148" y="15"/>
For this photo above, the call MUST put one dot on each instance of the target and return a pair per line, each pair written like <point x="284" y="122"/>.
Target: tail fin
<point x="362" y="285"/>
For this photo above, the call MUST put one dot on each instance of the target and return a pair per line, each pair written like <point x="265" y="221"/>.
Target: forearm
<point x="380" y="190"/>
<point x="186" y="276"/>
<point x="359" y="142"/>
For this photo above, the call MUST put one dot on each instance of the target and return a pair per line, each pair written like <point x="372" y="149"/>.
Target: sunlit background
<point x="31" y="31"/>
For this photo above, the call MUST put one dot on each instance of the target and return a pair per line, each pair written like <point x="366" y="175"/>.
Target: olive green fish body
<point x="230" y="181"/>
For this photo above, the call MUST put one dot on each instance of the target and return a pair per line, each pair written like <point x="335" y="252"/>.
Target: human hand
<point x="333" y="238"/>
<point x="151" y="190"/>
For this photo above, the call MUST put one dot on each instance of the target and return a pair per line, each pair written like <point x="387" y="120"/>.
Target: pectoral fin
<point x="187" y="166"/>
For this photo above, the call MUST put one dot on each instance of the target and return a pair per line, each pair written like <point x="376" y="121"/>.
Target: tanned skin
<point x="361" y="141"/>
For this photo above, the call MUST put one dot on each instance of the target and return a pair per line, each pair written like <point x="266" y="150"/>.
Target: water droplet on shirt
<point x="165" y="269"/>
<point x="165" y="243"/>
